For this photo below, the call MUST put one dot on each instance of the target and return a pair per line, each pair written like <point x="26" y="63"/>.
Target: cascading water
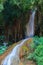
<point x="30" y="26"/>
<point x="13" y="57"/>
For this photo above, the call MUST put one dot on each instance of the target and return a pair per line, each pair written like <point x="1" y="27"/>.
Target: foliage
<point x="25" y="48"/>
<point x="1" y="5"/>
<point x="1" y="9"/>
<point x="2" y="39"/>
<point x="37" y="54"/>
<point x="1" y="19"/>
<point x="27" y="4"/>
<point x="11" y="9"/>
<point x="41" y="40"/>
<point x="36" y="41"/>
<point x="16" y="9"/>
<point x="23" y="4"/>
<point x="2" y="49"/>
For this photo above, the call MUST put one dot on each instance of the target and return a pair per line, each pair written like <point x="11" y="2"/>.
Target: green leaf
<point x="1" y="7"/>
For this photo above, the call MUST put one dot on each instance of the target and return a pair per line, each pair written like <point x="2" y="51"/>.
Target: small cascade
<point x="13" y="57"/>
<point x="30" y="26"/>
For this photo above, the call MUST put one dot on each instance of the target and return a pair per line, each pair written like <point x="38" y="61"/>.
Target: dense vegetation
<point x="14" y="14"/>
<point x="18" y="11"/>
<point x="37" y="54"/>
<point x="9" y="8"/>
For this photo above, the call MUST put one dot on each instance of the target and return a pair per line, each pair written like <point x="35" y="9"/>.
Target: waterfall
<point x="13" y="57"/>
<point x="30" y="26"/>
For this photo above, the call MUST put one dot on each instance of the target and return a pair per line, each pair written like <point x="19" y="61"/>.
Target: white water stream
<point x="13" y="57"/>
<point x="30" y="25"/>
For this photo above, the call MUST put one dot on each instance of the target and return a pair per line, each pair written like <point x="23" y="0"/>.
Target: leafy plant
<point x="1" y="5"/>
<point x="37" y="54"/>
<point x="2" y="49"/>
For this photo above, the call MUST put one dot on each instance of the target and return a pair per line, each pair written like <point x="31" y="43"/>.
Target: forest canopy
<point x="12" y="7"/>
<point x="22" y="4"/>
